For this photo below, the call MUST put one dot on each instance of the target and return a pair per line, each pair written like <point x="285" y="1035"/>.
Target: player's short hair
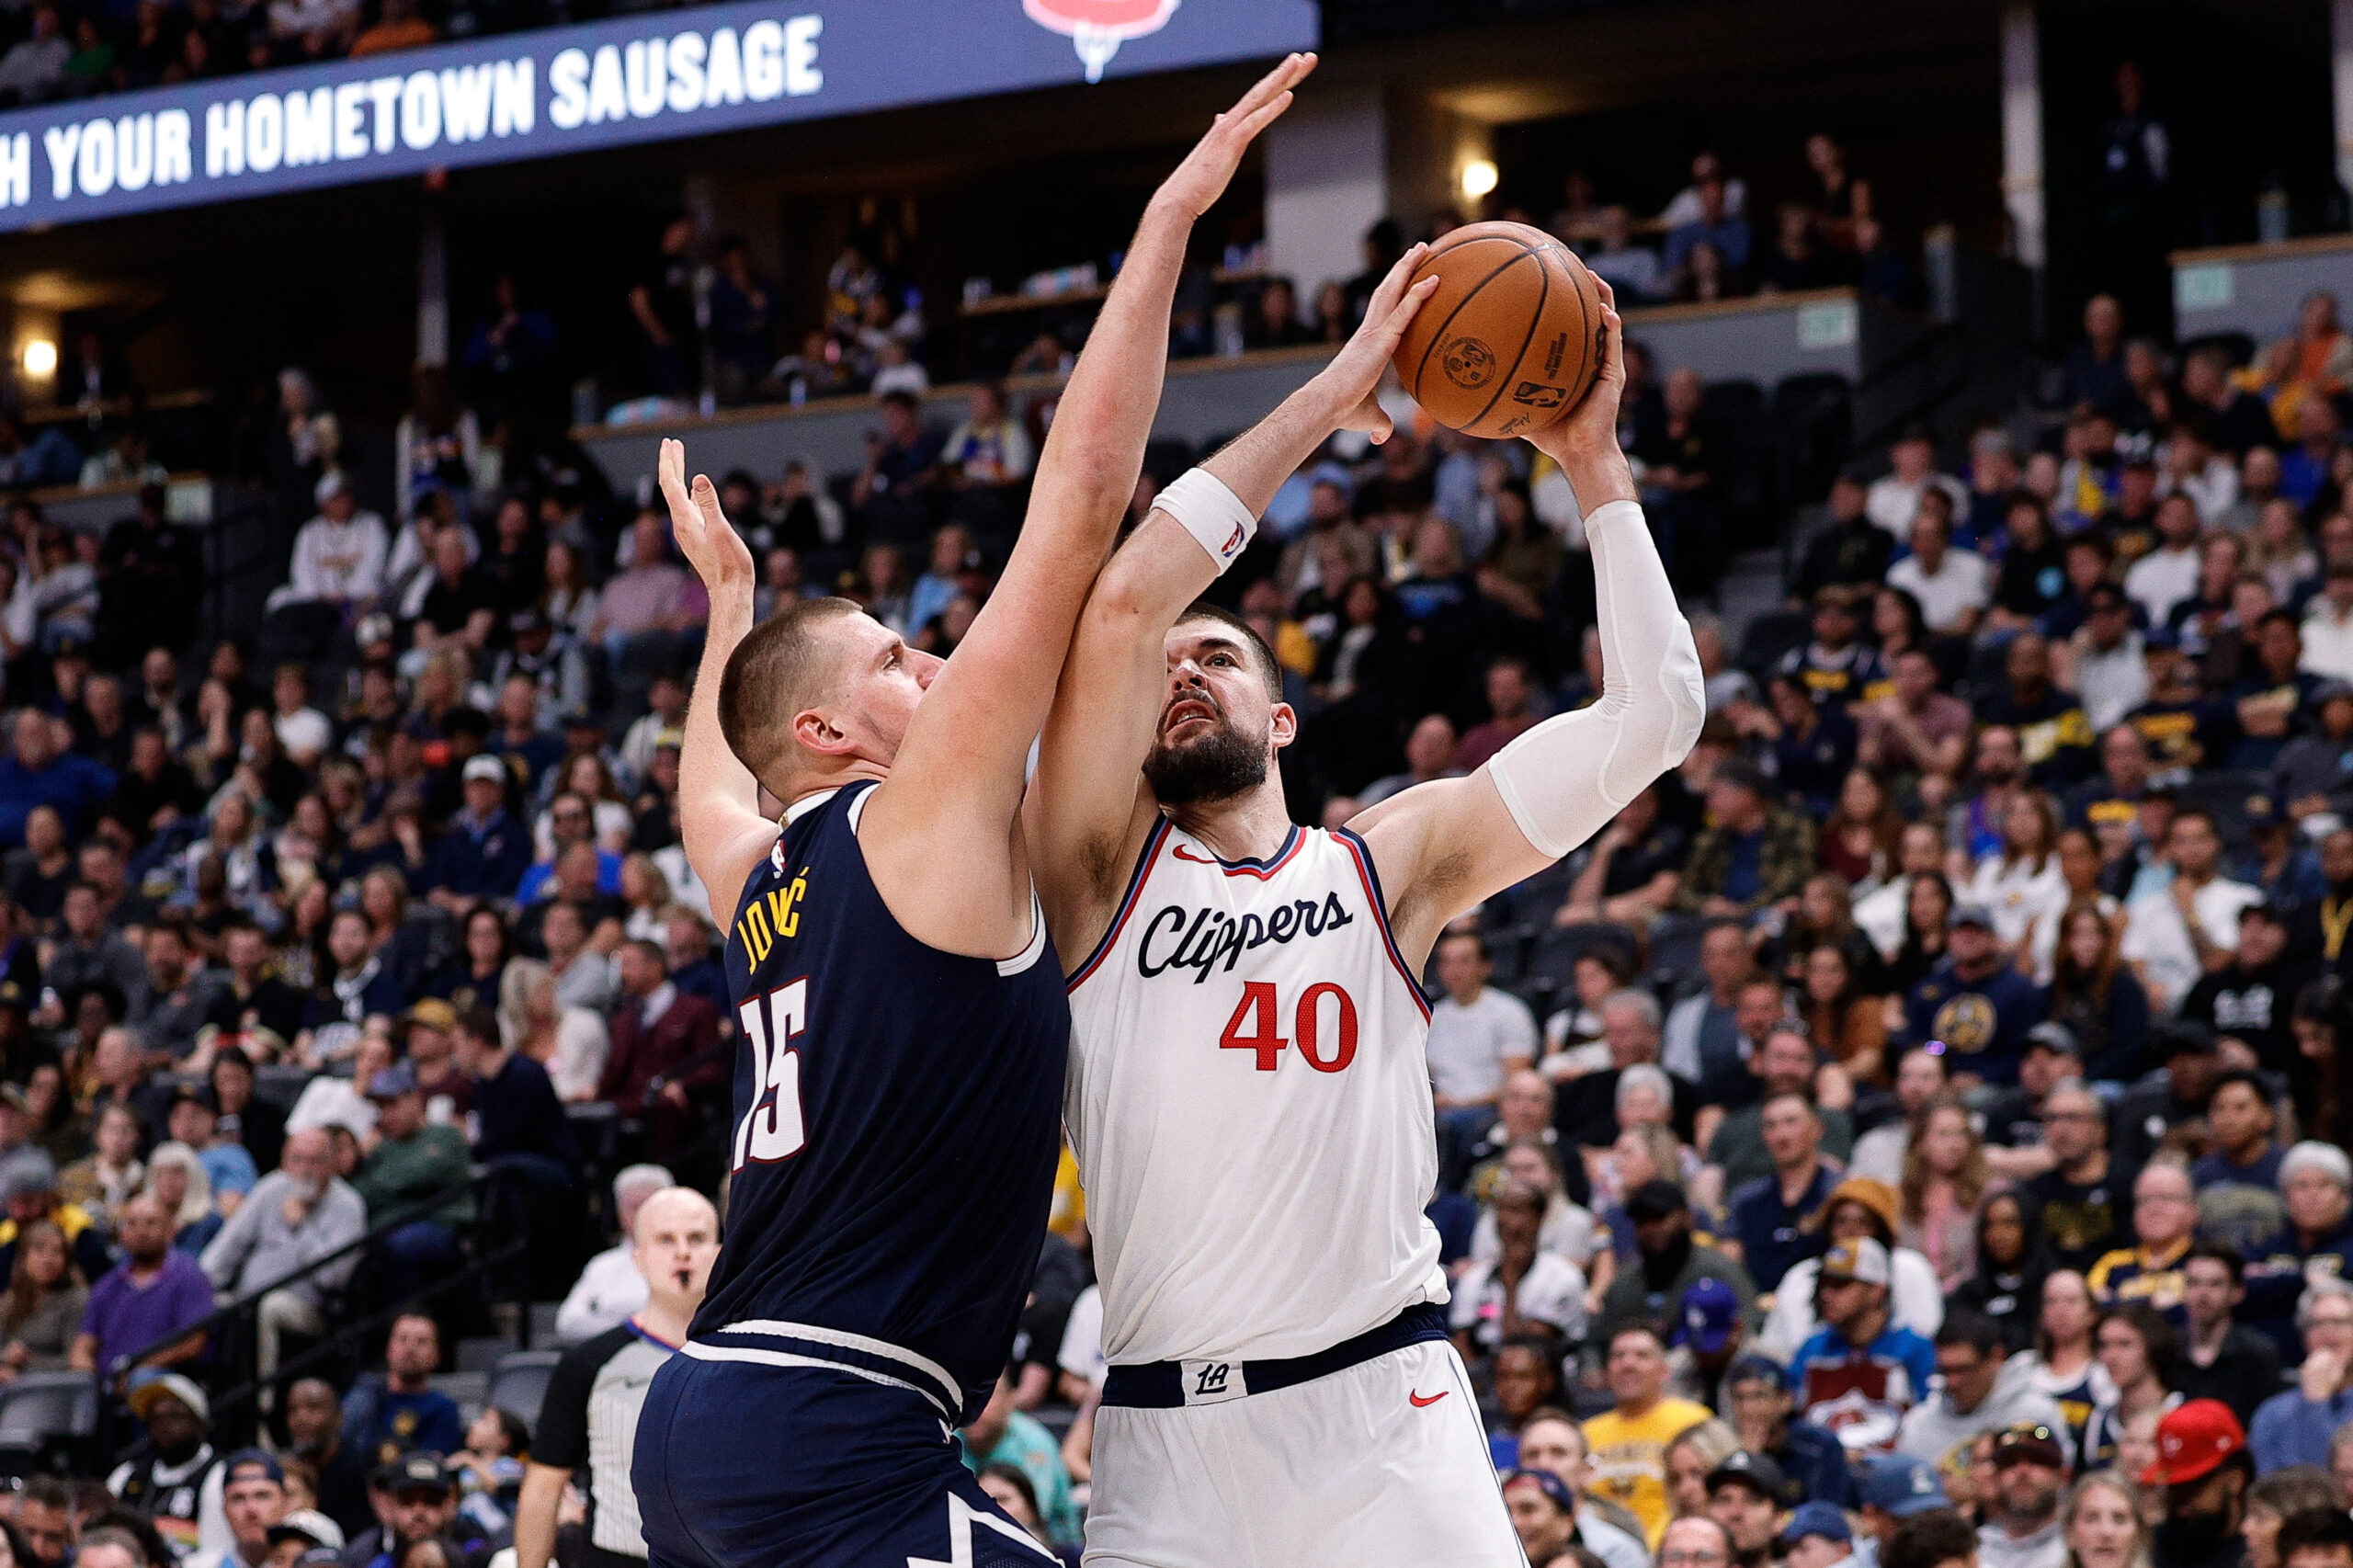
<point x="776" y="672"/>
<point x="1930" y="1539"/>
<point x="2325" y="1528"/>
<point x="1270" y="670"/>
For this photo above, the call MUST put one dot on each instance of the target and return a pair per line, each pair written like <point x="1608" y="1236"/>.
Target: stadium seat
<point x="520" y="1384"/>
<point x="41" y="1407"/>
<point x="1814" y="432"/>
<point x="280" y="1085"/>
<point x="1769" y="637"/>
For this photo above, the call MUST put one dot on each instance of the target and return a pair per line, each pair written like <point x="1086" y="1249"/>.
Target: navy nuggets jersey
<point x="897" y="1125"/>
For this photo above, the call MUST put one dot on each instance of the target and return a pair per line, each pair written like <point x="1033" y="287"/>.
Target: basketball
<point x="1512" y="337"/>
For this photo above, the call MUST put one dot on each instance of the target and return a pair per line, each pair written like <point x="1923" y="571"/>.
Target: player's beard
<point x="1216" y="766"/>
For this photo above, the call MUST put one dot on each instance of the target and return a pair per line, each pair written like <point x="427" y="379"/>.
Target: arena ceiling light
<point x="41" y="359"/>
<point x="1479" y="178"/>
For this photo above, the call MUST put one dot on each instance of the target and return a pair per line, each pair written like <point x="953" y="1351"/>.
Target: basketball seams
<point x="1584" y="331"/>
<point x="1535" y="319"/>
<point x="1523" y="252"/>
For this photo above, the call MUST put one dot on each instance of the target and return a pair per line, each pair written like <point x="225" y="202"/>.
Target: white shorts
<point x="1384" y="1464"/>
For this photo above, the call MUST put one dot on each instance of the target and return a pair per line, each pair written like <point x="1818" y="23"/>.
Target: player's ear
<point x="816" y="730"/>
<point x="1284" y="726"/>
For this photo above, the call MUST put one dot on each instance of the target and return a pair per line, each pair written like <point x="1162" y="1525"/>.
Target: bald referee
<point x="588" y="1422"/>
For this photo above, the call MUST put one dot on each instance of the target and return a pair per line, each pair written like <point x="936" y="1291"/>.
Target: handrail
<point x="409" y="1214"/>
<point x="234" y="1313"/>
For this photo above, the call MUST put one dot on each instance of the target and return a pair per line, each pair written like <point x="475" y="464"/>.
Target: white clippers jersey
<point x="1251" y="1104"/>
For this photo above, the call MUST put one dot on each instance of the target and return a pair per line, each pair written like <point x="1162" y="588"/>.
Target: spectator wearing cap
<point x="2013" y="1115"/>
<point x="178" y="1482"/>
<point x="1543" y="1511"/>
<point x="2316" y="1188"/>
<point x="588" y="1426"/>
<point x="1524" y="1289"/>
<point x="398" y="1412"/>
<point x="1860" y="1372"/>
<point x="2295" y="1425"/>
<point x="550" y="658"/>
<point x="1817" y="1535"/>
<point x="2105" y="662"/>
<point x="2165" y="1212"/>
<point x="1978" y="1005"/>
<point x="486" y="850"/>
<point x="1984" y="1389"/>
<point x="612" y="1286"/>
<point x="30" y="1187"/>
<point x="155" y="1292"/>
<point x="1629" y="1441"/>
<point x="40" y="771"/>
<point x="2313" y="772"/>
<point x="2203" y="1469"/>
<point x="302" y="1532"/>
<point x="1860" y="1206"/>
<point x="411" y="1163"/>
<point x="432" y="1056"/>
<point x="253" y="1502"/>
<point x="1757" y="1403"/>
<point x="1892" y="1488"/>
<point x="416" y="1500"/>
<point x="1754" y="851"/>
<point x="337" y="572"/>
<point x="2030" y="1470"/>
<point x="295" y="1217"/>
<point x="1668" y="1262"/>
<point x="2281" y="863"/>
<point x="666" y="1049"/>
<point x="1746" y="1495"/>
<point x="1704" y="1344"/>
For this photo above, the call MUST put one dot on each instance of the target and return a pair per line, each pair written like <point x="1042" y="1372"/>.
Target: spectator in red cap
<point x="2203" y="1465"/>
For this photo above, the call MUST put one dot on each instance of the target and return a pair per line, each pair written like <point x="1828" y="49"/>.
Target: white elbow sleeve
<point x="1563" y="778"/>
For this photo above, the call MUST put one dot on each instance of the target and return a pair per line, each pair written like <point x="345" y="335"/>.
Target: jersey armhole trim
<point x="1136" y="878"/>
<point x="1007" y="967"/>
<point x="1361" y="853"/>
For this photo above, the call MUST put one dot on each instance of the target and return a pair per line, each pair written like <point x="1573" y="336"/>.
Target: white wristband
<point x="1199" y="502"/>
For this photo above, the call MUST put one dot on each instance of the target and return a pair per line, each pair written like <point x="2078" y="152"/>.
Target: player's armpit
<point x="725" y="857"/>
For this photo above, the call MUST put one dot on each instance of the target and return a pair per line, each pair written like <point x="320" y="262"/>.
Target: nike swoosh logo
<point x="1196" y="859"/>
<point x="1418" y="1402"/>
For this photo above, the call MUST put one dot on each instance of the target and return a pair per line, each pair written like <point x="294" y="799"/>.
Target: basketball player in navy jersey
<point x="1249" y="1093"/>
<point x="904" y="1026"/>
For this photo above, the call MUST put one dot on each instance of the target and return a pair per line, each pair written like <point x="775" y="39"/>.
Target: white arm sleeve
<point x="1567" y="777"/>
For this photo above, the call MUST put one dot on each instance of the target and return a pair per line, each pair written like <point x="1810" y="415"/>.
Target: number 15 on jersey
<point x="772" y="1130"/>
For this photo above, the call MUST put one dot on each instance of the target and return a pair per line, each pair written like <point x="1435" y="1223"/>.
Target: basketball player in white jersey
<point x="1248" y="1090"/>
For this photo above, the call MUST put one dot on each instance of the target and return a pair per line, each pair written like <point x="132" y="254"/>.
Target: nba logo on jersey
<point x="1097" y="27"/>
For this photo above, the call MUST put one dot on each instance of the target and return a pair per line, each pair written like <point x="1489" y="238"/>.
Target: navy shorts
<point x="746" y="1466"/>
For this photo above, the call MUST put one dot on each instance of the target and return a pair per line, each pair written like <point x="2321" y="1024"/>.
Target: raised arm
<point x="718" y="801"/>
<point x="943" y="826"/>
<point x="1089" y="810"/>
<point x="1444" y="845"/>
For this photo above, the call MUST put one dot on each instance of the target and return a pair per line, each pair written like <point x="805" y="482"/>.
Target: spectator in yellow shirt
<point x="1629" y="1443"/>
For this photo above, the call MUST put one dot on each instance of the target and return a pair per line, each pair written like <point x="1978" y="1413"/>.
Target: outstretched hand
<point x="1203" y="177"/>
<point x="1353" y="378"/>
<point x="709" y="541"/>
<point x="1584" y="441"/>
